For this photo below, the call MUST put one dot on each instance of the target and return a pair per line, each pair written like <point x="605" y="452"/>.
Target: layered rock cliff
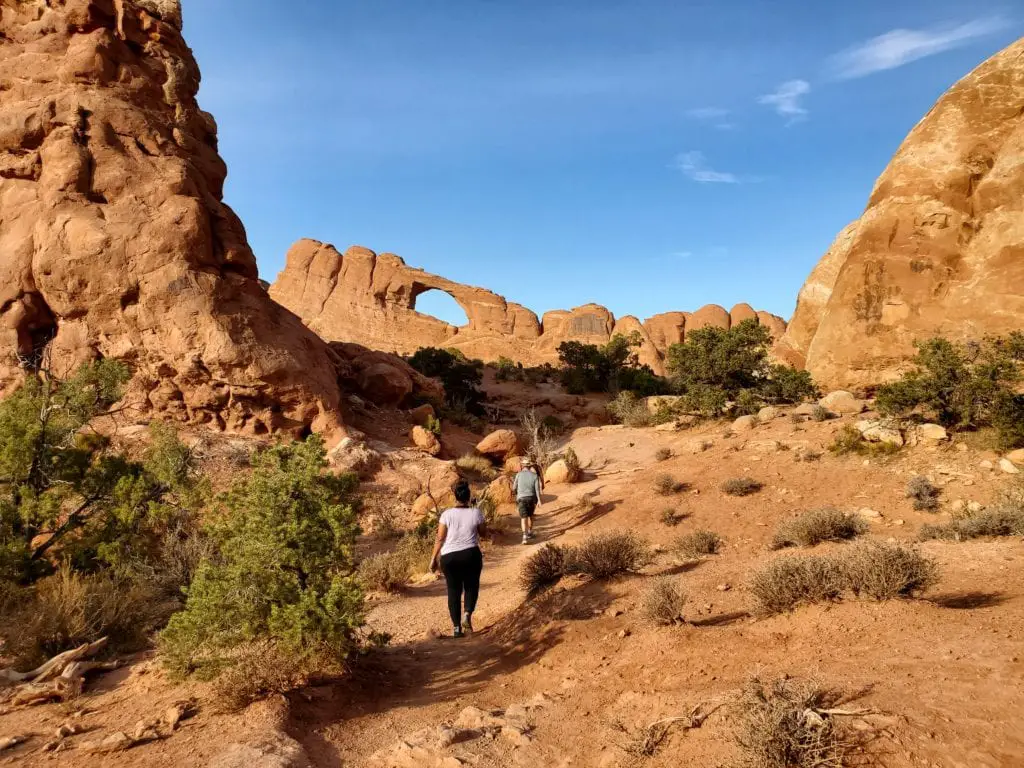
<point x="114" y="241"/>
<point x="940" y="248"/>
<point x="370" y="299"/>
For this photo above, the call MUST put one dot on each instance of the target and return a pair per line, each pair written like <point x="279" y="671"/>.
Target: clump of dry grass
<point x="385" y="572"/>
<point x="876" y="569"/>
<point x="782" y="723"/>
<point x="990" y="522"/>
<point x="670" y="517"/>
<point x="543" y="569"/>
<point x="664" y="602"/>
<point x="812" y="528"/>
<point x="259" y="670"/>
<point x="821" y="413"/>
<point x="68" y="609"/>
<point x="604" y="555"/>
<point x="885" y="571"/>
<point x="663" y="454"/>
<point x="666" y="485"/>
<point x="785" y="582"/>
<point x="476" y="467"/>
<point x="698" y="544"/>
<point x="924" y="493"/>
<point x="741" y="486"/>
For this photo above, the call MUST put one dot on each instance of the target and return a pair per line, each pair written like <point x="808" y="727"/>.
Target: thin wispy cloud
<point x="902" y="46"/>
<point x="696" y="167"/>
<point x="715" y="116"/>
<point x="787" y="99"/>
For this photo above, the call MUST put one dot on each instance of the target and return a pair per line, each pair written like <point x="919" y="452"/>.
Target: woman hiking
<point x="457" y="554"/>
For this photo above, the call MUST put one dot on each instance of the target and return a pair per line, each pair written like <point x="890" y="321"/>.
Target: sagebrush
<point x="698" y="544"/>
<point x="664" y="602"/>
<point x="817" y="526"/>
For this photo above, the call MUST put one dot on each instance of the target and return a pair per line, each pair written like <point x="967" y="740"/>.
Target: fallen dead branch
<point x="12" y="741"/>
<point x="647" y="742"/>
<point x="60" y="679"/>
<point x="145" y="731"/>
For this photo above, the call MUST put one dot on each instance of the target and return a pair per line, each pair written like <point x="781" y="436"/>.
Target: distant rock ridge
<point x="370" y="299"/>
<point x="940" y="247"/>
<point x="114" y="240"/>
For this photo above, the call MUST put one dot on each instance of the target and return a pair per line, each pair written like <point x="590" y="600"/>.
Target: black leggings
<point x="462" y="572"/>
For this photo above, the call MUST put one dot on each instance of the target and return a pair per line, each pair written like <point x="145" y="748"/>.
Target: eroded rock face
<point x="940" y="248"/>
<point x="370" y="299"/>
<point x="114" y="241"/>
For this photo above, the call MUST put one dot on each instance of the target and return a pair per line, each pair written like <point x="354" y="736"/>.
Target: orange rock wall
<point x="370" y="299"/>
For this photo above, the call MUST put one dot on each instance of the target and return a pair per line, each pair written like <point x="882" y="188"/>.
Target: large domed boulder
<point x="499" y="445"/>
<point x="938" y="250"/>
<point x="114" y="239"/>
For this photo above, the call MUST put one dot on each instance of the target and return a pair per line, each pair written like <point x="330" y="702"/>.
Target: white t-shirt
<point x="462" y="524"/>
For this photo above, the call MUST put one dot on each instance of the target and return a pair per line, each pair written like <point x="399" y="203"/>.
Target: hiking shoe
<point x="467" y="624"/>
<point x="457" y="633"/>
<point x="526" y="539"/>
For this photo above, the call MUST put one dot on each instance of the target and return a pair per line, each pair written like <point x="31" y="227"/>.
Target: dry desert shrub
<point x="385" y="572"/>
<point x="812" y="528"/>
<point x="663" y="454"/>
<point x="670" y="517"/>
<point x="476" y="467"/>
<point x="741" y="486"/>
<point x="924" y="493"/>
<point x="604" y="555"/>
<point x="821" y="413"/>
<point x="785" y="582"/>
<point x="885" y="571"/>
<point x="848" y="440"/>
<point x="1000" y="521"/>
<point x="259" y="670"/>
<point x="698" y="544"/>
<point x="666" y="485"/>
<point x="664" y="602"/>
<point x="781" y="724"/>
<point x="68" y="609"/>
<point x="543" y="569"/>
<point x="630" y="410"/>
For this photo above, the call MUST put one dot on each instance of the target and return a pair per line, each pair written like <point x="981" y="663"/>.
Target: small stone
<point x="974" y="507"/>
<point x="624" y="633"/>
<point x="869" y="513"/>
<point x="961" y="447"/>
<point x="986" y="464"/>
<point x="1008" y="467"/>
<point x="899" y="522"/>
<point x="724" y="587"/>
<point x="933" y="432"/>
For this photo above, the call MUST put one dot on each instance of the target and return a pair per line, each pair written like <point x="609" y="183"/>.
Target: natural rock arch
<point x="439" y="305"/>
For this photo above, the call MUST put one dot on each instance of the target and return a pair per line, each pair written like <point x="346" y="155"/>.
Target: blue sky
<point x="649" y="155"/>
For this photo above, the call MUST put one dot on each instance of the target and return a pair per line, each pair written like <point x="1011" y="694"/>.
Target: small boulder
<point x="425" y="440"/>
<point x="499" y="445"/>
<point x="1008" y="467"/>
<point x="560" y="473"/>
<point x="500" y="490"/>
<point x="768" y="413"/>
<point x="842" y="402"/>
<point x="384" y="384"/>
<point x="1017" y="457"/>
<point x="986" y="464"/>
<point x="805" y="409"/>
<point x="744" y="423"/>
<point x="878" y="432"/>
<point x="513" y="464"/>
<point x="869" y="514"/>
<point x="934" y="433"/>
<point x="422" y="415"/>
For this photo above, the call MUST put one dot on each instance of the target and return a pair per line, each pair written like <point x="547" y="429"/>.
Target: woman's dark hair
<point x="462" y="492"/>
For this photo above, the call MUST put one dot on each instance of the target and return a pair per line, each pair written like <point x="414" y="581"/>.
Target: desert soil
<point x="576" y="675"/>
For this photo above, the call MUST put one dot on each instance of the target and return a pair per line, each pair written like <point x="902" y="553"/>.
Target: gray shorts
<point x="527" y="507"/>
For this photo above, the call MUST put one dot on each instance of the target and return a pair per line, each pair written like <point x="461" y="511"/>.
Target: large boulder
<point x="384" y="384"/>
<point x="880" y="432"/>
<point x="936" y="253"/>
<point x="560" y="473"/>
<point x="114" y="239"/>
<point x="499" y="445"/>
<point x="500" y="490"/>
<point x="842" y="402"/>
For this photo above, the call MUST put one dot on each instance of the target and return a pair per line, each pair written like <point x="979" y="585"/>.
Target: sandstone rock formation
<point x="940" y="248"/>
<point x="370" y="299"/>
<point x="114" y="241"/>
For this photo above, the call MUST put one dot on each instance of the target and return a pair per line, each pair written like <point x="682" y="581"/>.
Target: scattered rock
<point x="879" y="432"/>
<point x="624" y="633"/>
<point x="869" y="514"/>
<point x="499" y="445"/>
<point x="560" y="473"/>
<point x="1008" y="467"/>
<point x="275" y="751"/>
<point x="724" y="587"/>
<point x="425" y="440"/>
<point x="932" y="432"/>
<point x="744" y="424"/>
<point x="842" y="402"/>
<point x="1017" y="456"/>
<point x="768" y="413"/>
<point x="986" y="464"/>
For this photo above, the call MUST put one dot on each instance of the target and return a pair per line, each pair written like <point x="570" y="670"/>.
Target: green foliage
<point x="460" y="376"/>
<point x="715" y="366"/>
<point x="614" y="367"/>
<point x="963" y="386"/>
<point x="848" y="440"/>
<point x="65" y="495"/>
<point x="433" y="425"/>
<point x="283" y="572"/>
<point x="629" y="409"/>
<point x="507" y="370"/>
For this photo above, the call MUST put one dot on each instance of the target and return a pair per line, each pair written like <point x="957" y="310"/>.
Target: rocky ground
<point x="576" y="676"/>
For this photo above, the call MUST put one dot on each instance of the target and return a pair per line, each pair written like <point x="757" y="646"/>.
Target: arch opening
<point x="442" y="306"/>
